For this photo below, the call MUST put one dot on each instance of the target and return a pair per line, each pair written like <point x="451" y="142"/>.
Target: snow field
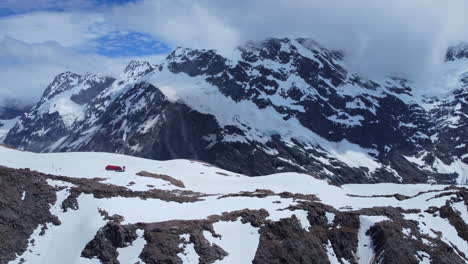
<point x="79" y="227"/>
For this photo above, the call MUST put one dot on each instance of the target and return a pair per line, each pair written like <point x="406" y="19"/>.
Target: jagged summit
<point x="279" y="48"/>
<point x="137" y="69"/>
<point x="68" y="80"/>
<point x="61" y="83"/>
<point x="457" y="52"/>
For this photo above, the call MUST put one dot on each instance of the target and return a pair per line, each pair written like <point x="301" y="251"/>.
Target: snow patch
<point x="189" y="255"/>
<point x="365" y="251"/>
<point x="239" y="240"/>
<point x="130" y="254"/>
<point x="330" y="217"/>
<point x="76" y="230"/>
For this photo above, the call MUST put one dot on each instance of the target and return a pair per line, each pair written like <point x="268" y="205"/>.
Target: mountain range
<point x="280" y="105"/>
<point x="277" y="152"/>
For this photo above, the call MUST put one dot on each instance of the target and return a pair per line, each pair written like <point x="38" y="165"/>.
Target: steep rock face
<point x="301" y="81"/>
<point x="273" y="106"/>
<point x="143" y="122"/>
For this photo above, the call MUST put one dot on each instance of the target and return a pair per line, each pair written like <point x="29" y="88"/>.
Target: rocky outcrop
<point x="107" y="240"/>
<point x="307" y="229"/>
<point x="25" y="202"/>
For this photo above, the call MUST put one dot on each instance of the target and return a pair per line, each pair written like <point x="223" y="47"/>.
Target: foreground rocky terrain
<point x="65" y="208"/>
<point x="281" y="105"/>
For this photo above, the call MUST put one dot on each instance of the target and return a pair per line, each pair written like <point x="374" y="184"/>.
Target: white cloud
<point x="68" y="29"/>
<point x="379" y="37"/>
<point x="26" y="69"/>
<point x="35" y="47"/>
<point x="179" y="23"/>
<point x="397" y="36"/>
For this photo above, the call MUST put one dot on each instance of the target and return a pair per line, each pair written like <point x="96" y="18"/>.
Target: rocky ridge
<point x="303" y="220"/>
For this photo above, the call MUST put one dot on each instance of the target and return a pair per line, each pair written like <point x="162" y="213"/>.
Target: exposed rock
<point x="20" y="217"/>
<point x="102" y="190"/>
<point x="26" y="199"/>
<point x="167" y="178"/>
<point x="107" y="240"/>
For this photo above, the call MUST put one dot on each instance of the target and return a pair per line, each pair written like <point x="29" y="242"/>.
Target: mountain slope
<point x="185" y="211"/>
<point x="276" y="106"/>
<point x="61" y="105"/>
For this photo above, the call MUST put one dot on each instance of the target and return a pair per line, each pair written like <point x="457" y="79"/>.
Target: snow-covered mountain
<point x="5" y="127"/>
<point x="9" y="116"/>
<point x="276" y="106"/>
<point x="65" y="208"/>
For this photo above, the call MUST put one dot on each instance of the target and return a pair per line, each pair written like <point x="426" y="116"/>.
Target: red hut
<point x="114" y="168"/>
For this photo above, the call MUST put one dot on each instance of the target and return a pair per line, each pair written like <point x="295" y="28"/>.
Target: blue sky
<point x="128" y="44"/>
<point x="11" y="7"/>
<point x="42" y="38"/>
<point x="113" y="43"/>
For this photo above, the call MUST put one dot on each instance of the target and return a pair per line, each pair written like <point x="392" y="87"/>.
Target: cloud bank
<point x="396" y="36"/>
<point x="26" y="69"/>
<point x="402" y="37"/>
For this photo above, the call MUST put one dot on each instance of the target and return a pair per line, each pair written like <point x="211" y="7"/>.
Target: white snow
<point x="136" y="210"/>
<point x="239" y="240"/>
<point x="416" y="160"/>
<point x="130" y="254"/>
<point x="331" y="254"/>
<point x="345" y="119"/>
<point x="433" y="226"/>
<point x="354" y="155"/>
<point x="330" y="217"/>
<point x="424" y="257"/>
<point x="457" y="166"/>
<point x="189" y="255"/>
<point x="62" y="104"/>
<point x="200" y="95"/>
<point x="301" y="215"/>
<point x="462" y="209"/>
<point x="365" y="251"/>
<point x="64" y="243"/>
<point x="406" y="231"/>
<point x="82" y="225"/>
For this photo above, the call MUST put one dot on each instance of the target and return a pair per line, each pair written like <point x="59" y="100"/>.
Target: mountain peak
<point x="283" y="50"/>
<point x="138" y="68"/>
<point x="187" y="54"/>
<point x="60" y="84"/>
<point x="457" y="52"/>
